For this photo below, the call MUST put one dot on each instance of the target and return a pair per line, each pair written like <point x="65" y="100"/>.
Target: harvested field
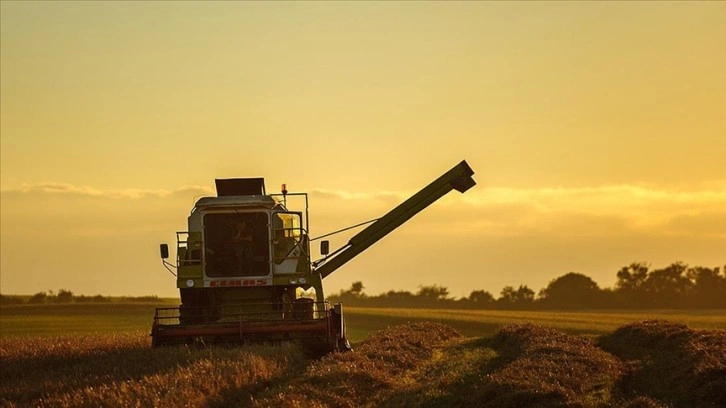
<point x="646" y="364"/>
<point x="123" y="371"/>
<point x="430" y="365"/>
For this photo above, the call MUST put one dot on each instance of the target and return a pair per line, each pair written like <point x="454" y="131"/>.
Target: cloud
<point x="502" y="211"/>
<point x="600" y="199"/>
<point x="70" y="190"/>
<point x="612" y="196"/>
<point x="642" y="206"/>
<point x="586" y="211"/>
<point x="386" y="196"/>
<point x="709" y="224"/>
<point x="137" y="231"/>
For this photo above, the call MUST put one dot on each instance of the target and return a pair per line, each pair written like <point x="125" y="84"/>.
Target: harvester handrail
<point x="184" y="243"/>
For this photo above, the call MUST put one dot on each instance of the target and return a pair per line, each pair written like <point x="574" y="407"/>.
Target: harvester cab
<point x="244" y="270"/>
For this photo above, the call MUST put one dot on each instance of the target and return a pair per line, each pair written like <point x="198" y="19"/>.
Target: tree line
<point x="67" y="296"/>
<point x="677" y="286"/>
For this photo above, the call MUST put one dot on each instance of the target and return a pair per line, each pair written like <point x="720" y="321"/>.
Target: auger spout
<point x="458" y="178"/>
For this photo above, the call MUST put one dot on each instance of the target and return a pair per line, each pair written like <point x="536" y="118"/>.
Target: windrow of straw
<point x="538" y="366"/>
<point x="431" y="365"/>
<point x="671" y="362"/>
<point x="366" y="376"/>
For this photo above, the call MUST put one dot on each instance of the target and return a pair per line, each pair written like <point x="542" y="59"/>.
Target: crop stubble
<point x="651" y="363"/>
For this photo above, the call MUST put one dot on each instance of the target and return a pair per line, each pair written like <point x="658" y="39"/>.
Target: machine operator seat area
<point x="236" y="244"/>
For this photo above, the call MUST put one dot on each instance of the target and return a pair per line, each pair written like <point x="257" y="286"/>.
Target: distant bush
<point x="40" y="297"/>
<point x="64" y="296"/>
<point x="10" y="300"/>
<point x="91" y="299"/>
<point x="140" y="299"/>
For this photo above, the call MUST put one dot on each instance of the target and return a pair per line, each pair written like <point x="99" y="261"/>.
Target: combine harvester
<point x="244" y="271"/>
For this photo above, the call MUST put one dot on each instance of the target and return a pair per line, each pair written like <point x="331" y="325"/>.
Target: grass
<point x="76" y="319"/>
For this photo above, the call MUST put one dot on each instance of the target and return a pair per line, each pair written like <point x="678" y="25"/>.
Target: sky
<point x="597" y="132"/>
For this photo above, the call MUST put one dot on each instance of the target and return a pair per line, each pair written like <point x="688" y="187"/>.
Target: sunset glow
<point x="597" y="132"/>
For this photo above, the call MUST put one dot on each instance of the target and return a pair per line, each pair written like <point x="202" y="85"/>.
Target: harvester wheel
<point x="344" y="345"/>
<point x="337" y="321"/>
<point x="155" y="342"/>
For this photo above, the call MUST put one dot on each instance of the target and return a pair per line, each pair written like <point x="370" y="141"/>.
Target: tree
<point x="630" y="285"/>
<point x="668" y="287"/>
<point x="573" y="290"/>
<point x="40" y="297"/>
<point x="508" y="296"/>
<point x="709" y="287"/>
<point x="432" y="293"/>
<point x="10" y="300"/>
<point x="481" y="298"/>
<point x="64" y="296"/>
<point x="356" y="289"/>
<point x="351" y="295"/>
<point x="632" y="277"/>
<point x="520" y="298"/>
<point x="396" y="298"/>
<point x="525" y="295"/>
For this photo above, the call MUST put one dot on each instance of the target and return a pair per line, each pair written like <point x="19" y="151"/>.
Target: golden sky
<point x="597" y="132"/>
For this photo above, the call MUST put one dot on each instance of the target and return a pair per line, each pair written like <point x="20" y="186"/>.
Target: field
<point x="78" y="319"/>
<point x="485" y="323"/>
<point x="99" y="355"/>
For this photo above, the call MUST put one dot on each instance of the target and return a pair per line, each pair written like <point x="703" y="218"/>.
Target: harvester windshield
<point x="236" y="244"/>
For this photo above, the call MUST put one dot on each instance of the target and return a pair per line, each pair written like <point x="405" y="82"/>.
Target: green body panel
<point x="189" y="272"/>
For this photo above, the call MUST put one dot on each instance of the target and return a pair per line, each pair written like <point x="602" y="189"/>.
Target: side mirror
<point x="324" y="247"/>
<point x="164" y="249"/>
